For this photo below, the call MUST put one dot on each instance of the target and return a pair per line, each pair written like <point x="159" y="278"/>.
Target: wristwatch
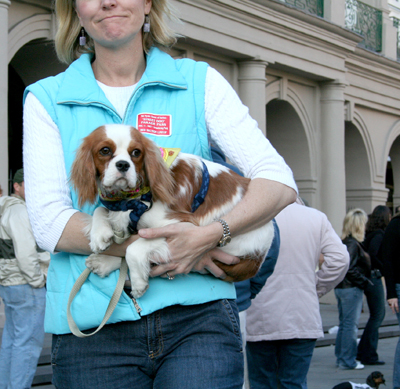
<point x="226" y="236"/>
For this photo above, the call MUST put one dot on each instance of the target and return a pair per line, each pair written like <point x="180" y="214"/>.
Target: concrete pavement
<point x="323" y="373"/>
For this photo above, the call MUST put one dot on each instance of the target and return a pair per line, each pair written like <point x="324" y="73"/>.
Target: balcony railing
<point x="396" y="23"/>
<point x="366" y="21"/>
<point x="315" y="7"/>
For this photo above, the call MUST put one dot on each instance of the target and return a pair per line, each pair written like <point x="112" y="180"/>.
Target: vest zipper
<point x="95" y="103"/>
<point x="137" y="307"/>
<point x="142" y="87"/>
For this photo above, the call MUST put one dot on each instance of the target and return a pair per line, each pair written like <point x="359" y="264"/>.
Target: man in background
<point x="284" y="321"/>
<point x="23" y="270"/>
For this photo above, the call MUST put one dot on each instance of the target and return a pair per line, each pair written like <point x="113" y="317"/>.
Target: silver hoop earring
<point x="82" y="38"/>
<point x="146" y="25"/>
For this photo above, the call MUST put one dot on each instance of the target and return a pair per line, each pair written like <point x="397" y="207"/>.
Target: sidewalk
<point x="323" y="373"/>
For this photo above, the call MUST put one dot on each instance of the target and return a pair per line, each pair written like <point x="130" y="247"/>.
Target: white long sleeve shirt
<point x="229" y="126"/>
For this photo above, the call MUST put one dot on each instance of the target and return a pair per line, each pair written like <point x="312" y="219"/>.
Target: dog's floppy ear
<point x="158" y="174"/>
<point x="83" y="174"/>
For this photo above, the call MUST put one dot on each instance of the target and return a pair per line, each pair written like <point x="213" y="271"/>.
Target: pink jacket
<point x="287" y="307"/>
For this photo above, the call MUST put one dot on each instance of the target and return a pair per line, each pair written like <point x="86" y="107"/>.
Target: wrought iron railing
<point x="396" y="23"/>
<point x="366" y="21"/>
<point x="315" y="7"/>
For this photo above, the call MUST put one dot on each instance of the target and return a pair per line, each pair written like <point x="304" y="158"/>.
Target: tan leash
<point x="111" y="306"/>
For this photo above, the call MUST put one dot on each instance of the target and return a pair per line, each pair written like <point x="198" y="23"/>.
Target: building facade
<point x="321" y="77"/>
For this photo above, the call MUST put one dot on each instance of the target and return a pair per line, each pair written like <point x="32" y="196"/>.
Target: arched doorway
<point x="286" y="133"/>
<point x="32" y="62"/>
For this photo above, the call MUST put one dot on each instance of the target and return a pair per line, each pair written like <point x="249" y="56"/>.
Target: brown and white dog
<point x="115" y="160"/>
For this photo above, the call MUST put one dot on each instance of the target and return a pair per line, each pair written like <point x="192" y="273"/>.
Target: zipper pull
<point x="135" y="303"/>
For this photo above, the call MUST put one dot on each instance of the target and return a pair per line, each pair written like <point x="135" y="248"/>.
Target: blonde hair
<point x="69" y="29"/>
<point x="354" y="224"/>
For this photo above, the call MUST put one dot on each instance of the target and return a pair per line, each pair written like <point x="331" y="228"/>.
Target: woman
<point x="390" y="254"/>
<point x="376" y="225"/>
<point x="173" y="336"/>
<point x="349" y="293"/>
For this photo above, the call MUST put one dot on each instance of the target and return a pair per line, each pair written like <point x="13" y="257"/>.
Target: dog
<point x="374" y="380"/>
<point x="129" y="171"/>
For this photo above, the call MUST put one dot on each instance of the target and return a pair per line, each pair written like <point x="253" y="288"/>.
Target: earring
<point x="82" y="38"/>
<point x="146" y="25"/>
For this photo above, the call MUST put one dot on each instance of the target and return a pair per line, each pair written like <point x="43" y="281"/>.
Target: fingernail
<point x="143" y="233"/>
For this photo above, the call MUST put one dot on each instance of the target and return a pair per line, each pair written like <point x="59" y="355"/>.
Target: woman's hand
<point x="394" y="305"/>
<point x="192" y="248"/>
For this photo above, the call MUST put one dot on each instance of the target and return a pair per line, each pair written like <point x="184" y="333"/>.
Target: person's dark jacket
<point x="359" y="272"/>
<point x="390" y="256"/>
<point x="248" y="289"/>
<point x="372" y="244"/>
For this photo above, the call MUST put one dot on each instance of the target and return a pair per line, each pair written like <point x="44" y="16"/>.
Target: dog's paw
<point x="101" y="242"/>
<point x="139" y="289"/>
<point x="102" y="265"/>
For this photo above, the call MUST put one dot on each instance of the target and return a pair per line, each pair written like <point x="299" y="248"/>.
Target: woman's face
<point x="112" y="23"/>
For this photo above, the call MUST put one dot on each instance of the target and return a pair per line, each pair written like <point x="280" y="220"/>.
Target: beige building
<point x="321" y="77"/>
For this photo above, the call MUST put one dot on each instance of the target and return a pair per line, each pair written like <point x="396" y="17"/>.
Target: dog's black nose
<point x="122" y="166"/>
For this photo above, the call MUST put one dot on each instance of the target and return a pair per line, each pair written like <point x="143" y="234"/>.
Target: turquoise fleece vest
<point x="168" y="107"/>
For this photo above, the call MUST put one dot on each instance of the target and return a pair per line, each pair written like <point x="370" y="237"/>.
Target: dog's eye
<point x="136" y="153"/>
<point x="105" y="151"/>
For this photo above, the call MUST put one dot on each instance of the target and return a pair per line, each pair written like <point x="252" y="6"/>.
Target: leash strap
<point x="111" y="306"/>
<point x="138" y="209"/>
<point x="201" y="195"/>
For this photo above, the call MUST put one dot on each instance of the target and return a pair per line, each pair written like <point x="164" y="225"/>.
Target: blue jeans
<point x="368" y="345"/>
<point x="185" y="347"/>
<point x="283" y="361"/>
<point x="23" y="335"/>
<point x="349" y="305"/>
<point x="396" y="363"/>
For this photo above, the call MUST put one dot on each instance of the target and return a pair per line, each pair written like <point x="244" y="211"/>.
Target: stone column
<point x="389" y="35"/>
<point x="4" y="5"/>
<point x="334" y="11"/>
<point x="332" y="156"/>
<point x="252" y="82"/>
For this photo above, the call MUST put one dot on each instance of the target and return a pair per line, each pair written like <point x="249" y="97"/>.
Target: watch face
<point x="224" y="241"/>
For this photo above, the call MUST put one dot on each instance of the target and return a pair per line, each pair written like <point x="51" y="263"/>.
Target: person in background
<point x="22" y="287"/>
<point x="118" y="74"/>
<point x="349" y="293"/>
<point x="247" y="290"/>
<point x="375" y="294"/>
<point x="284" y="321"/>
<point x="390" y="256"/>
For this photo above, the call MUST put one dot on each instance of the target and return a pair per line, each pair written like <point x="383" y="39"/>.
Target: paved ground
<point x="323" y="373"/>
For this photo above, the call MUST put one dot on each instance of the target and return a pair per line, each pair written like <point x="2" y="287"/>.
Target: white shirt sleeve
<point x="47" y="194"/>
<point x="231" y="127"/>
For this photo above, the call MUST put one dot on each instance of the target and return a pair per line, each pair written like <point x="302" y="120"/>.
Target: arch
<point x="392" y="150"/>
<point x="391" y="136"/>
<point x="365" y="177"/>
<point x="359" y="123"/>
<point x="29" y="29"/>
<point x="290" y="131"/>
<point x="274" y="91"/>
